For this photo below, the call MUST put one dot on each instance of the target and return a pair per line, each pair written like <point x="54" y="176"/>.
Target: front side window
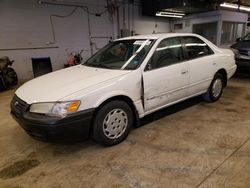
<point x="124" y="54"/>
<point x="195" y="47"/>
<point x="168" y="52"/>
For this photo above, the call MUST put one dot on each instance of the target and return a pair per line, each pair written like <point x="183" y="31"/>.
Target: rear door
<point x="202" y="64"/>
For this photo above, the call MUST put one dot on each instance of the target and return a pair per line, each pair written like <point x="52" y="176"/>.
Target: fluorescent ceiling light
<point x="229" y="5"/>
<point x="170" y="14"/>
<point x="245" y="8"/>
<point x="173" y="10"/>
<point x="235" y="6"/>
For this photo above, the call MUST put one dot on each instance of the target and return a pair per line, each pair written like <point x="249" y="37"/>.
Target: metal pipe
<point x="124" y="15"/>
<point x="118" y="21"/>
<point x="112" y="19"/>
<point x="128" y="16"/>
<point x="28" y="48"/>
<point x="52" y="26"/>
<point x="101" y="37"/>
<point x="133" y="18"/>
<point x="76" y="3"/>
<point x="90" y="41"/>
<point x="62" y="3"/>
<point x="83" y="7"/>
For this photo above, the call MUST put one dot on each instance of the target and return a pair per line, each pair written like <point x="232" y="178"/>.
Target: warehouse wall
<point x="210" y="17"/>
<point x="26" y="32"/>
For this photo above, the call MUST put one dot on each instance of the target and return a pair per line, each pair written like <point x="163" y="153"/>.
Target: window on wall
<point x="178" y="26"/>
<point x="207" y="30"/>
<point x="231" y="31"/>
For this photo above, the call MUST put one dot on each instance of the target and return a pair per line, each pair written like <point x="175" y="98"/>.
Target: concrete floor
<point x="193" y="144"/>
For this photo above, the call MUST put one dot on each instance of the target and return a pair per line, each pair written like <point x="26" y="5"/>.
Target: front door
<point x="166" y="76"/>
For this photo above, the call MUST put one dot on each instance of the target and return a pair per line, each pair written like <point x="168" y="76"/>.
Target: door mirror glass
<point x="239" y="39"/>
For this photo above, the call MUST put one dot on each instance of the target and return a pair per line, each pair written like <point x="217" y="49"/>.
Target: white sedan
<point x="123" y="82"/>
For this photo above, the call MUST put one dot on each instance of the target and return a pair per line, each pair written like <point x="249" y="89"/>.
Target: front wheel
<point x="215" y="90"/>
<point x="112" y="123"/>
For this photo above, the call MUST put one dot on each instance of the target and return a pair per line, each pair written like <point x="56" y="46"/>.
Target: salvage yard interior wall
<point x="26" y="29"/>
<point x="206" y="19"/>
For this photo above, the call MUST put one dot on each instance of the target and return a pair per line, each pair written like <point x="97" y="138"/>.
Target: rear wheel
<point x="215" y="90"/>
<point x="112" y="123"/>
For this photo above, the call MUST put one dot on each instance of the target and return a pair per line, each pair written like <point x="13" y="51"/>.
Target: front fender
<point x="110" y="95"/>
<point x="128" y="85"/>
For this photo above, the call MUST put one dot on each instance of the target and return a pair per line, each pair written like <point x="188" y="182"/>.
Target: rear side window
<point x="195" y="47"/>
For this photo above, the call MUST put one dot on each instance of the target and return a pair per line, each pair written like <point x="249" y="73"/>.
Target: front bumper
<point x="243" y="65"/>
<point x="231" y="71"/>
<point x="44" y="127"/>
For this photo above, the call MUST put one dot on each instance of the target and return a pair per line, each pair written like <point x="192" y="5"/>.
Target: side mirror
<point x="239" y="39"/>
<point x="148" y="66"/>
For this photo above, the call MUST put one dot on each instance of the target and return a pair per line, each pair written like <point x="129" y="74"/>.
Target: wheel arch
<point x="223" y="72"/>
<point x="126" y="99"/>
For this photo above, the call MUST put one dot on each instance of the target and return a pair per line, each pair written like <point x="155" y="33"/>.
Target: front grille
<point x="18" y="105"/>
<point x="244" y="52"/>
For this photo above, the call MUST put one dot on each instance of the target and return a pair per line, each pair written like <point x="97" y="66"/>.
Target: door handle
<point x="184" y="71"/>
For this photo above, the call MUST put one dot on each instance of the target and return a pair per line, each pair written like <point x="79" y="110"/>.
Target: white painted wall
<point x="207" y="17"/>
<point x="149" y="25"/>
<point x="26" y="24"/>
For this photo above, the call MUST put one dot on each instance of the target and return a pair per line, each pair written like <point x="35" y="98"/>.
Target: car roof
<point x="157" y="36"/>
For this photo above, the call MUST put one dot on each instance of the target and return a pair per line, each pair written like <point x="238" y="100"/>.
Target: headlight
<point x="55" y="109"/>
<point x="235" y="51"/>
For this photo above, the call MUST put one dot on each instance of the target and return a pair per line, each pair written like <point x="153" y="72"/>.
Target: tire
<point x="11" y="73"/>
<point x="112" y="123"/>
<point x="2" y="83"/>
<point x="215" y="89"/>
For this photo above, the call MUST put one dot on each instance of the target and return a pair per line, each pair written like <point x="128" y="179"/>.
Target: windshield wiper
<point x="98" y="65"/>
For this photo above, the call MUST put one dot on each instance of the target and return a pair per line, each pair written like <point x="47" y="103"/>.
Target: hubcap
<point x="217" y="87"/>
<point x="115" y="123"/>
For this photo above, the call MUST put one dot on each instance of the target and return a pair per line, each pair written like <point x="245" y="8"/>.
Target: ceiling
<point x="151" y="7"/>
<point x="242" y="2"/>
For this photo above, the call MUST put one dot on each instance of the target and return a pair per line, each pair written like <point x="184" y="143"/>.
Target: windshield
<point x="247" y="37"/>
<point x="123" y="54"/>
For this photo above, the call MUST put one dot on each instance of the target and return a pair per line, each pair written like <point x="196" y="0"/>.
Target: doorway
<point x="207" y="30"/>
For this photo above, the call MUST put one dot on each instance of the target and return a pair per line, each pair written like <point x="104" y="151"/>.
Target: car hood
<point x="242" y="45"/>
<point x="59" y="84"/>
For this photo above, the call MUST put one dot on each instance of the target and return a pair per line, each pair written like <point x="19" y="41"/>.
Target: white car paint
<point x="164" y="85"/>
<point x="93" y="86"/>
<point x="56" y="85"/>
